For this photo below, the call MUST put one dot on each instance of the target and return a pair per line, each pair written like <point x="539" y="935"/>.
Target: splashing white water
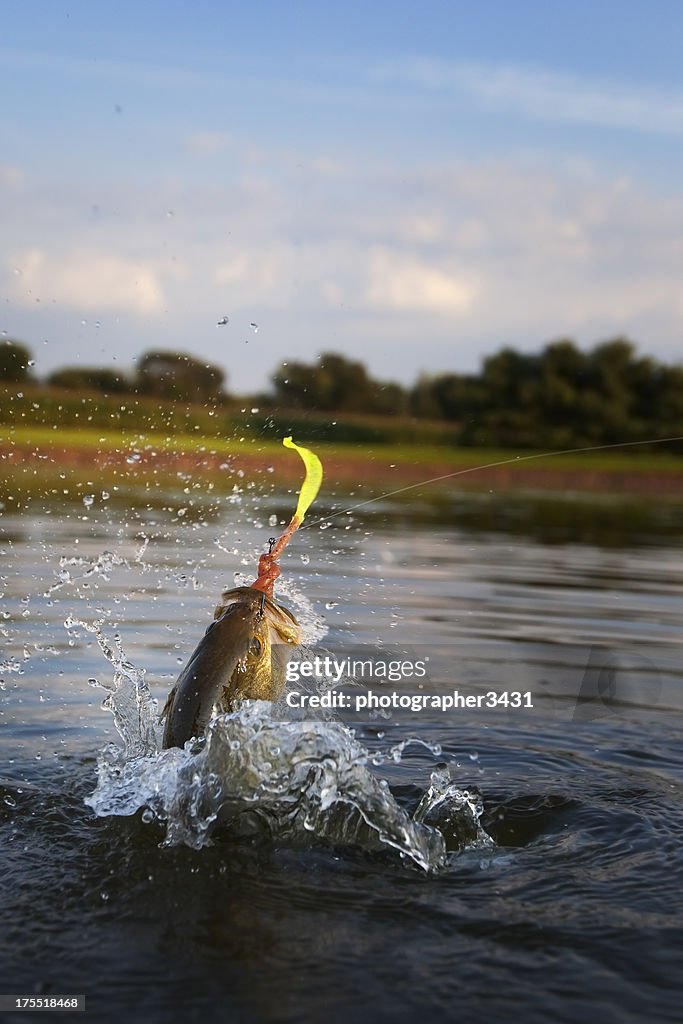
<point x="257" y="774"/>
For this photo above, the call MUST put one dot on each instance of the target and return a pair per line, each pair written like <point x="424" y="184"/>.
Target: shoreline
<point x="131" y="459"/>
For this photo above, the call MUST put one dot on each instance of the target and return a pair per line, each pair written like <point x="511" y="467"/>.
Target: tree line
<point x="560" y="397"/>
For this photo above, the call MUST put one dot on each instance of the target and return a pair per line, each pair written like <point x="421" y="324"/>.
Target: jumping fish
<point x="244" y="652"/>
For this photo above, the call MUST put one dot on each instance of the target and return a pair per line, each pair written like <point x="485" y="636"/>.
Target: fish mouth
<point x="279" y="617"/>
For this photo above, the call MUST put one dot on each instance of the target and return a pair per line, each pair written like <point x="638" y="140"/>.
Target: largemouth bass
<point x="242" y="655"/>
<point x="244" y="652"/>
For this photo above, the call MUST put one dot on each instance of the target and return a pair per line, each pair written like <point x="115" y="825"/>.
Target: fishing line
<point x="488" y="465"/>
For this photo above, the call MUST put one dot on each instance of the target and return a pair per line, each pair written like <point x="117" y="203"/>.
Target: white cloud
<point x="261" y="274"/>
<point x="86" y="280"/>
<point x="408" y="268"/>
<point x="400" y="281"/>
<point x="543" y="94"/>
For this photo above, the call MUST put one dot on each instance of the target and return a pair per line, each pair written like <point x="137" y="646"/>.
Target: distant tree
<point x="563" y="397"/>
<point x="295" y="385"/>
<point x="609" y="367"/>
<point x="511" y="378"/>
<point x="83" y="378"/>
<point x="606" y="405"/>
<point x="390" y="399"/>
<point x="344" y="384"/>
<point x="560" y="397"/>
<point x="15" y="361"/>
<point x="668" y="409"/>
<point x="179" y="376"/>
<point x="423" y="403"/>
<point x="458" y="397"/>
<point x="562" y="377"/>
<point x="336" y="384"/>
<point x="647" y="381"/>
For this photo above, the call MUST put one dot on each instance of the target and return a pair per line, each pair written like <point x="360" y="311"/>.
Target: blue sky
<point x="413" y="185"/>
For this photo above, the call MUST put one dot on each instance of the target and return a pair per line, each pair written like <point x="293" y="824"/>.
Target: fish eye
<point x="255" y="647"/>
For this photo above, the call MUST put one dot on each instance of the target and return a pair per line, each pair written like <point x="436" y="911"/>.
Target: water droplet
<point x="223" y="321"/>
<point x="88" y="500"/>
<point x="148" y="815"/>
<point x="331" y="604"/>
<point x="10" y="801"/>
<point x="254" y="327"/>
<point x="255" y="409"/>
<point x="272" y="520"/>
<point x="305" y="558"/>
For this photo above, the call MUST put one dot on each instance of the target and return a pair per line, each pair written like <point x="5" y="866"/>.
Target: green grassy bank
<point x="62" y="464"/>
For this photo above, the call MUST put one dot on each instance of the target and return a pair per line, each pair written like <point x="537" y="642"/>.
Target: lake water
<point x="333" y="897"/>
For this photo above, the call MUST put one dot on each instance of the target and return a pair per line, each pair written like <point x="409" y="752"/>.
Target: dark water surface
<point x="575" y="912"/>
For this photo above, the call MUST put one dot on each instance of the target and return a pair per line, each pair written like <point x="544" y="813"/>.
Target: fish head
<point x="260" y="673"/>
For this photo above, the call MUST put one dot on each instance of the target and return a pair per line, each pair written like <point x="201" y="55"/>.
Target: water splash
<point x="455" y="812"/>
<point x="75" y="570"/>
<point x="395" y="753"/>
<point x="129" y="699"/>
<point x="259" y="775"/>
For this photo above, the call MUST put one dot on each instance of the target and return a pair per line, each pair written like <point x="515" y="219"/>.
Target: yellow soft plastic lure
<point x="312" y="480"/>
<point x="268" y="569"/>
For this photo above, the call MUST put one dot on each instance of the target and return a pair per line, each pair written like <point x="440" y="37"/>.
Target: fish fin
<point x="169" y="703"/>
